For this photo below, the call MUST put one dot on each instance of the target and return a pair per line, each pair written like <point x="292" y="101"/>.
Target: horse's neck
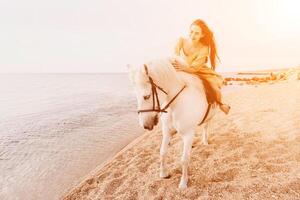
<point x="171" y="83"/>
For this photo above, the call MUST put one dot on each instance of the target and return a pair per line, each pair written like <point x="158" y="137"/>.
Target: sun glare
<point x="280" y="17"/>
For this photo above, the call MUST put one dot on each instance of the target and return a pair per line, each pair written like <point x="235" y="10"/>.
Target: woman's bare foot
<point x="225" y="108"/>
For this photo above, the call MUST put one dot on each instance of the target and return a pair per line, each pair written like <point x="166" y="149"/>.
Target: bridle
<point x="155" y="99"/>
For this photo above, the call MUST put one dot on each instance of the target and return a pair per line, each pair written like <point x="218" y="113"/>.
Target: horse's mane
<point x="163" y="70"/>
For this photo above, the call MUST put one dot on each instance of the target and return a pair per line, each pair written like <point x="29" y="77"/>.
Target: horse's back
<point x="191" y="80"/>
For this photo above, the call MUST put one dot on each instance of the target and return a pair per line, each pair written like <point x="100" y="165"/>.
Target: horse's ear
<point x="131" y="73"/>
<point x="145" y="69"/>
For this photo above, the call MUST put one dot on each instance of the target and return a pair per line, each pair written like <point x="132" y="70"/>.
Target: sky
<point x="97" y="36"/>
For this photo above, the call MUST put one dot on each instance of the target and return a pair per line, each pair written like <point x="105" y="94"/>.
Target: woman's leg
<point x="224" y="107"/>
<point x="212" y="83"/>
<point x="214" y="94"/>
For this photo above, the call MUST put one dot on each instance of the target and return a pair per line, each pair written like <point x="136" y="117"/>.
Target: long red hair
<point x="208" y="40"/>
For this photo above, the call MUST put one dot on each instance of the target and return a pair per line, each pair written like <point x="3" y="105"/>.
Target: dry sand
<point x="253" y="153"/>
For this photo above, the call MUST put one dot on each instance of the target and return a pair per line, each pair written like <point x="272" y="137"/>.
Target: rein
<point x="155" y="99"/>
<point x="206" y="114"/>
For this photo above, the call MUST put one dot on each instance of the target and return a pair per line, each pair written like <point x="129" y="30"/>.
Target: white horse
<point x="183" y="97"/>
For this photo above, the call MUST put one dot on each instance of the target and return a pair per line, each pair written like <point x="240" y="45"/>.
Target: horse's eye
<point x="147" y="97"/>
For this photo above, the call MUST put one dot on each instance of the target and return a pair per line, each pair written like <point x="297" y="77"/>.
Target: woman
<point x="196" y="51"/>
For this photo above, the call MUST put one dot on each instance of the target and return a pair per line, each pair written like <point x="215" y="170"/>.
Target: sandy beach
<point x="253" y="153"/>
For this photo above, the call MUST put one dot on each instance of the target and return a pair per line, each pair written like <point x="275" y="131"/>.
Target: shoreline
<point x="102" y="180"/>
<point x="105" y="163"/>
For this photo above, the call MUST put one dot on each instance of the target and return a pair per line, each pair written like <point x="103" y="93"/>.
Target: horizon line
<point x="237" y="71"/>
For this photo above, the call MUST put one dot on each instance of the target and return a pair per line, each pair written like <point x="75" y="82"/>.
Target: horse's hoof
<point x="182" y="185"/>
<point x="164" y="175"/>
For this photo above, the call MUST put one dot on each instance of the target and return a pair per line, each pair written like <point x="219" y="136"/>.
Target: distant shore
<point x="265" y="76"/>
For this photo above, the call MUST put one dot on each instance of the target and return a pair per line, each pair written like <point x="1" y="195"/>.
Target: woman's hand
<point x="178" y="66"/>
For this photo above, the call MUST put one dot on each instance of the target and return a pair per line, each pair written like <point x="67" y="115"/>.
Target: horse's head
<point x="140" y="79"/>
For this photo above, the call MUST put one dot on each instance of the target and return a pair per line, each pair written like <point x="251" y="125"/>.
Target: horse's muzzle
<point x="151" y="125"/>
<point x="148" y="127"/>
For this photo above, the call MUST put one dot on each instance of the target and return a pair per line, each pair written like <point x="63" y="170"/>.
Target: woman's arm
<point x="178" y="46"/>
<point x="188" y="69"/>
<point x="201" y="58"/>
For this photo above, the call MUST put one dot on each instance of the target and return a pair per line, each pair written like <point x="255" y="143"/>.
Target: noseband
<point x="155" y="99"/>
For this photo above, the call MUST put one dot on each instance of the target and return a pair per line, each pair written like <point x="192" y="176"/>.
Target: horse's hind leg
<point x="205" y="133"/>
<point x="187" y="145"/>
<point x="167" y="129"/>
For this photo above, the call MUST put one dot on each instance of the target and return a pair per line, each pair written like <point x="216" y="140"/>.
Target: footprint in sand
<point x="113" y="185"/>
<point x="228" y="175"/>
<point x="102" y="177"/>
<point x="154" y="187"/>
<point x="276" y="168"/>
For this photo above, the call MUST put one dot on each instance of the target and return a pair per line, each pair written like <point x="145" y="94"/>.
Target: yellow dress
<point x="211" y="80"/>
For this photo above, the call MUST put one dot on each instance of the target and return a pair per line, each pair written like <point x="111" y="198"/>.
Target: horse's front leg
<point x="166" y="130"/>
<point x="187" y="145"/>
<point x="163" y="153"/>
